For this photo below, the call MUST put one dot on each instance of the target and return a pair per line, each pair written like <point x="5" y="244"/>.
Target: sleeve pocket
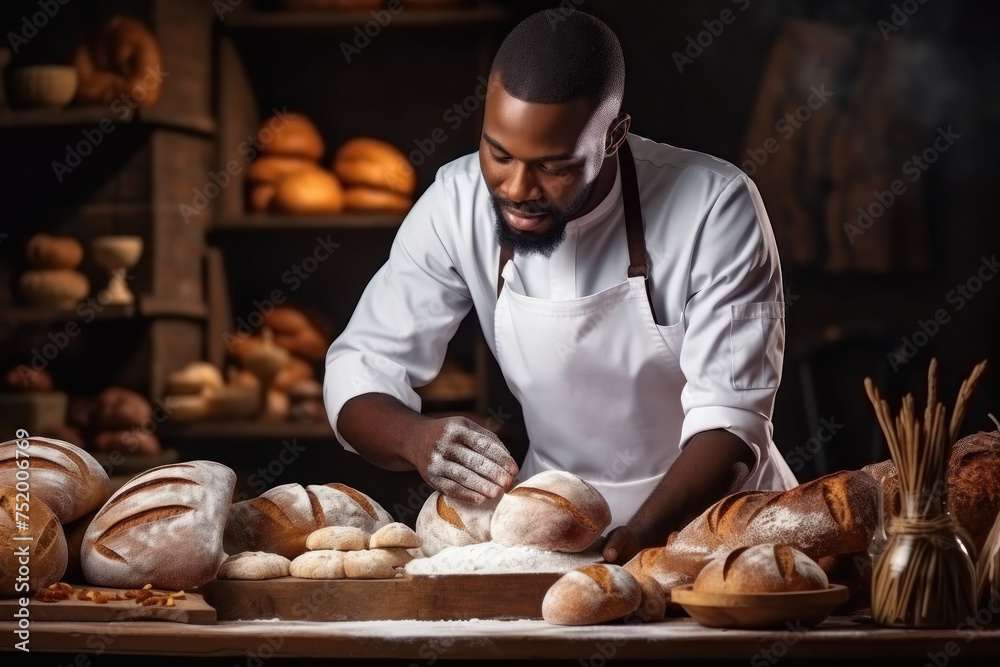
<point x="757" y="340"/>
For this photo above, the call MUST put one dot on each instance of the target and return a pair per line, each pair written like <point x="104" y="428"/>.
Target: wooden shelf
<point x="277" y="223"/>
<point x="176" y="432"/>
<point x="94" y="115"/>
<point x="149" y="307"/>
<point x="347" y="21"/>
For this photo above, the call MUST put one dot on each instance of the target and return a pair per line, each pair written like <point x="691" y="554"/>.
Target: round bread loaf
<point x="553" y="510"/>
<point x="195" y="378"/>
<point x="24" y="378"/>
<point x="63" y="476"/>
<point x="591" y="594"/>
<point x="122" y="62"/>
<point x="309" y="192"/>
<point x="394" y="535"/>
<point x="370" y="162"/>
<point x="75" y="532"/>
<point x="291" y="134"/>
<point x="254" y="566"/>
<point x="134" y="440"/>
<point x="118" y="409"/>
<point x="763" y="568"/>
<point x="163" y="527"/>
<point x="362" y="198"/>
<point x="298" y="333"/>
<point x="344" y="506"/>
<point x="371" y="564"/>
<point x="260" y="197"/>
<point x="269" y="169"/>
<point x="449" y="522"/>
<point x="63" y="288"/>
<point x="338" y="538"/>
<point x="46" y="552"/>
<point x="653" y="606"/>
<point x="320" y="564"/>
<point x="45" y="251"/>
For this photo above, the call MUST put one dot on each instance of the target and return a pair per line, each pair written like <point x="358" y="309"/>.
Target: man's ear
<point x="617" y="132"/>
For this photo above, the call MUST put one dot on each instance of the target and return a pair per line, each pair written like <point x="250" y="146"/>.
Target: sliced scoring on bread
<point x="146" y="516"/>
<point x="558" y="501"/>
<point x="448" y="513"/>
<point x="272" y="510"/>
<point x="785" y="558"/>
<point x="145" y="486"/>
<point x="357" y="497"/>
<point x="730" y="559"/>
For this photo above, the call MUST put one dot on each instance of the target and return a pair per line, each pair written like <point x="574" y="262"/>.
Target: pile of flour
<point x="493" y="558"/>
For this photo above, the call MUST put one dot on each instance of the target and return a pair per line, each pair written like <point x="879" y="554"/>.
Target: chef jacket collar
<point x="611" y="203"/>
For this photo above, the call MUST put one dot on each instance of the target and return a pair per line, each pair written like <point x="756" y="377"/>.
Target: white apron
<point x="598" y="381"/>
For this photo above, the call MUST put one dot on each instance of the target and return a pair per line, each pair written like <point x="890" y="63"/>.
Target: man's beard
<point x="526" y="244"/>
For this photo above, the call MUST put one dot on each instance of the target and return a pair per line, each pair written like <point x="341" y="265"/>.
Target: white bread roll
<point x="591" y="594"/>
<point x="254" y="566"/>
<point x="63" y="476"/>
<point x="448" y="522"/>
<point x="338" y="538"/>
<point x="163" y="527"/>
<point x="394" y="535"/>
<point x="553" y="510"/>
<point x="371" y="564"/>
<point x="281" y="519"/>
<point x="320" y="564"/>
<point x="399" y="556"/>
<point x="763" y="568"/>
<point x="46" y="551"/>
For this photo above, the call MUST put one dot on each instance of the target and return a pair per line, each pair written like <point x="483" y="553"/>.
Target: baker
<point x="630" y="291"/>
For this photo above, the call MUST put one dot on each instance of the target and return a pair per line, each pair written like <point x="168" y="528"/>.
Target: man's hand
<point x="621" y="546"/>
<point x="460" y="458"/>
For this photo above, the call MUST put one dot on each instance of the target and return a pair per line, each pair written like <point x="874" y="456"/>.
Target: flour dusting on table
<point x="493" y="558"/>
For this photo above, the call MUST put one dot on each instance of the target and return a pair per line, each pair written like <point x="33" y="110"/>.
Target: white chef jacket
<point x="713" y="266"/>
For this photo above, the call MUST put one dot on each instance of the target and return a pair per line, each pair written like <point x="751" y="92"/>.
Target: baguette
<point x="163" y="527"/>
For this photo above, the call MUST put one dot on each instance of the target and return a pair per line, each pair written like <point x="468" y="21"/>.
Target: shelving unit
<point x="276" y="223"/>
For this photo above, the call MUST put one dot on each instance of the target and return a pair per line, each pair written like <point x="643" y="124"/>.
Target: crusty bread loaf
<point x="319" y="564"/>
<point x="553" y="510"/>
<point x="163" y="527"/>
<point x="370" y="162"/>
<point x="75" y="531"/>
<point x="394" y="535"/>
<point x="973" y="484"/>
<point x="63" y="476"/>
<point x="45" y="251"/>
<point x="254" y="566"/>
<point x="281" y="519"/>
<point x="312" y="191"/>
<point x="338" y="538"/>
<point x="291" y="134"/>
<point x="653" y="605"/>
<point x="831" y="515"/>
<point x="762" y="568"/>
<point x="269" y="169"/>
<point x="370" y="564"/>
<point x="591" y="594"/>
<point x="363" y="198"/>
<point x="46" y="551"/>
<point x="449" y="522"/>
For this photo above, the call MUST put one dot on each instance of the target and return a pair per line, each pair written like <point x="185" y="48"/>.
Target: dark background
<point x="841" y="326"/>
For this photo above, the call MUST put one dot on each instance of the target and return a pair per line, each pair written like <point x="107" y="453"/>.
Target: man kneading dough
<point x="630" y="291"/>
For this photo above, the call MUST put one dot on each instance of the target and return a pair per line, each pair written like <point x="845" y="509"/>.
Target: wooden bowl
<point x="759" y="611"/>
<point x="43" y="86"/>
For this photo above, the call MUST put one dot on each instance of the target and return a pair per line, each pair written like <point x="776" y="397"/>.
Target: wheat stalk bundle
<point x="924" y="576"/>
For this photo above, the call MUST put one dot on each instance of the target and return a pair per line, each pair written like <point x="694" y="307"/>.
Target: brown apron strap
<point x="633" y="222"/>
<point x="506" y="254"/>
<point x="633" y="228"/>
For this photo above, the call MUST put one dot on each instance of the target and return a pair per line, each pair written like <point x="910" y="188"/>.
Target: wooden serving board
<point x="428" y="598"/>
<point x="192" y="609"/>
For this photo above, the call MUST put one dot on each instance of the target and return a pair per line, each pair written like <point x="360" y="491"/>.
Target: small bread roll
<point x="309" y="192"/>
<point x="448" y="522"/>
<point x="764" y="568"/>
<point x="338" y="538"/>
<point x="362" y="198"/>
<point x="291" y="134"/>
<point x="372" y="564"/>
<point x="554" y="510"/>
<point x="400" y="557"/>
<point x="376" y="164"/>
<point x="591" y="594"/>
<point x="260" y="197"/>
<point x="395" y="535"/>
<point x="45" y="251"/>
<point x="272" y="168"/>
<point x="195" y="378"/>
<point x="254" y="566"/>
<point x="63" y="288"/>
<point x="26" y="378"/>
<point x="320" y="564"/>
<point x="653" y="606"/>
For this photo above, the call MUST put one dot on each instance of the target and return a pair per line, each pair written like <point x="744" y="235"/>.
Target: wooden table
<point x="426" y="641"/>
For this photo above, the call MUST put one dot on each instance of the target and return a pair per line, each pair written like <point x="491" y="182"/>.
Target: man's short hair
<point x="558" y="54"/>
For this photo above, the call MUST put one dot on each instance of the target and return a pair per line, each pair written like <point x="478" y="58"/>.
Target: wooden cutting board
<point x="428" y="598"/>
<point x="192" y="609"/>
